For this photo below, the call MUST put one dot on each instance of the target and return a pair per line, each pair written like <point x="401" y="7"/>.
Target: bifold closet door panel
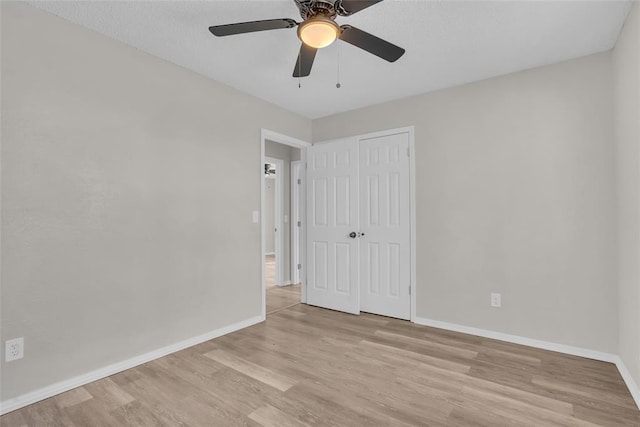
<point x="332" y="215"/>
<point x="385" y="251"/>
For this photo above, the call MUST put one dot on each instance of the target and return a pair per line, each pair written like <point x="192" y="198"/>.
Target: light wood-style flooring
<point x="310" y="366"/>
<point x="270" y="271"/>
<point x="282" y="297"/>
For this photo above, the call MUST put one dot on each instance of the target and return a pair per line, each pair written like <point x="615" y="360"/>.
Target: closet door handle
<point x="353" y="235"/>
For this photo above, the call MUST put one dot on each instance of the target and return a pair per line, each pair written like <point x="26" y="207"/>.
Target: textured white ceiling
<point x="448" y="43"/>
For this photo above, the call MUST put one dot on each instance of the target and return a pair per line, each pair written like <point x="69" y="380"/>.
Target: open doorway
<point x="282" y="286"/>
<point x="273" y="219"/>
<point x="282" y="231"/>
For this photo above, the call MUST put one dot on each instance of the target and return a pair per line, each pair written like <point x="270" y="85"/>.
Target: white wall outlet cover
<point x="14" y="349"/>
<point x="496" y="300"/>
<point x="255" y="217"/>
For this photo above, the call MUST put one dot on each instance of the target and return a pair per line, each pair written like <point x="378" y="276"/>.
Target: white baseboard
<point x="516" y="339"/>
<point x="66" y="385"/>
<point x="545" y="345"/>
<point x="628" y="379"/>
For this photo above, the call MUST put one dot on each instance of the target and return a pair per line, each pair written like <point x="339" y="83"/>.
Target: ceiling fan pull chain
<point x="338" y="62"/>
<point x="299" y="66"/>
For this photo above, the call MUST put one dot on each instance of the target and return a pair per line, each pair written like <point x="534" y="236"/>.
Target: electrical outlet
<point x="14" y="349"/>
<point x="496" y="300"/>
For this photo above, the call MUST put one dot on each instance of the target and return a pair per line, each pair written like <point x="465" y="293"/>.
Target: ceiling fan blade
<point x="349" y="7"/>
<point x="250" y="27"/>
<point x="370" y="43"/>
<point x="305" y="61"/>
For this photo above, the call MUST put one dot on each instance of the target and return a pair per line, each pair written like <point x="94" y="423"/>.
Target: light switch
<point x="286" y="219"/>
<point x="256" y="217"/>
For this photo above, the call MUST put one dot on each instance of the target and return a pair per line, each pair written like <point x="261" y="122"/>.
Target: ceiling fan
<point x="319" y="29"/>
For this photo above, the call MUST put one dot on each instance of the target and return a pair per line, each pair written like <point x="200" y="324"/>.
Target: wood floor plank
<point x="135" y="414"/>
<point x="480" y="417"/>
<point x="310" y="366"/>
<point x="72" y="397"/>
<point x="521" y="410"/>
<point x="268" y="416"/>
<point x="278" y="381"/>
<point x="611" y="417"/>
<point x="14" y="419"/>
<point x="338" y="410"/>
<point x="398" y="355"/>
<point x="583" y="391"/>
<point x="282" y="297"/>
<point x="47" y="413"/>
<point x="111" y="395"/>
<point x="547" y="403"/>
<point x="241" y="393"/>
<point x="452" y="350"/>
<point x="91" y="413"/>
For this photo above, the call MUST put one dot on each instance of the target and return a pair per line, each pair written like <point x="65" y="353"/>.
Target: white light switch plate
<point x="256" y="217"/>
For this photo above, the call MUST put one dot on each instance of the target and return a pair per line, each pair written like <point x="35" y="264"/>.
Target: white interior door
<point x="332" y="214"/>
<point x="385" y="242"/>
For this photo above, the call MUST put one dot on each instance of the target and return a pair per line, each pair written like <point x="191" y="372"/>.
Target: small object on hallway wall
<point x="269" y="169"/>
<point x="255" y="217"/>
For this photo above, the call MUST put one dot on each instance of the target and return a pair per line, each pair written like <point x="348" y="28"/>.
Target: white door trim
<point x="412" y="210"/>
<point x="296" y="191"/>
<point x="267" y="179"/>
<point x="265" y="135"/>
<point x="412" y="195"/>
<point x="277" y="218"/>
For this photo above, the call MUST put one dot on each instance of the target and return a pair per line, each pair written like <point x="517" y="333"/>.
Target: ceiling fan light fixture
<point x="318" y="32"/>
<point x="319" y="29"/>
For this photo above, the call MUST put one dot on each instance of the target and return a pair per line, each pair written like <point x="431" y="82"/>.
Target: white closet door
<point x="332" y="214"/>
<point x="385" y="247"/>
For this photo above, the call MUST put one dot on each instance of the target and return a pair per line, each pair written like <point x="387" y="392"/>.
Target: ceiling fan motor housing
<point x="312" y="8"/>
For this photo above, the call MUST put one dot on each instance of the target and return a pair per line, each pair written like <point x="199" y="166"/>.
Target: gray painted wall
<point x="515" y="189"/>
<point x="626" y="62"/>
<point x="117" y="237"/>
